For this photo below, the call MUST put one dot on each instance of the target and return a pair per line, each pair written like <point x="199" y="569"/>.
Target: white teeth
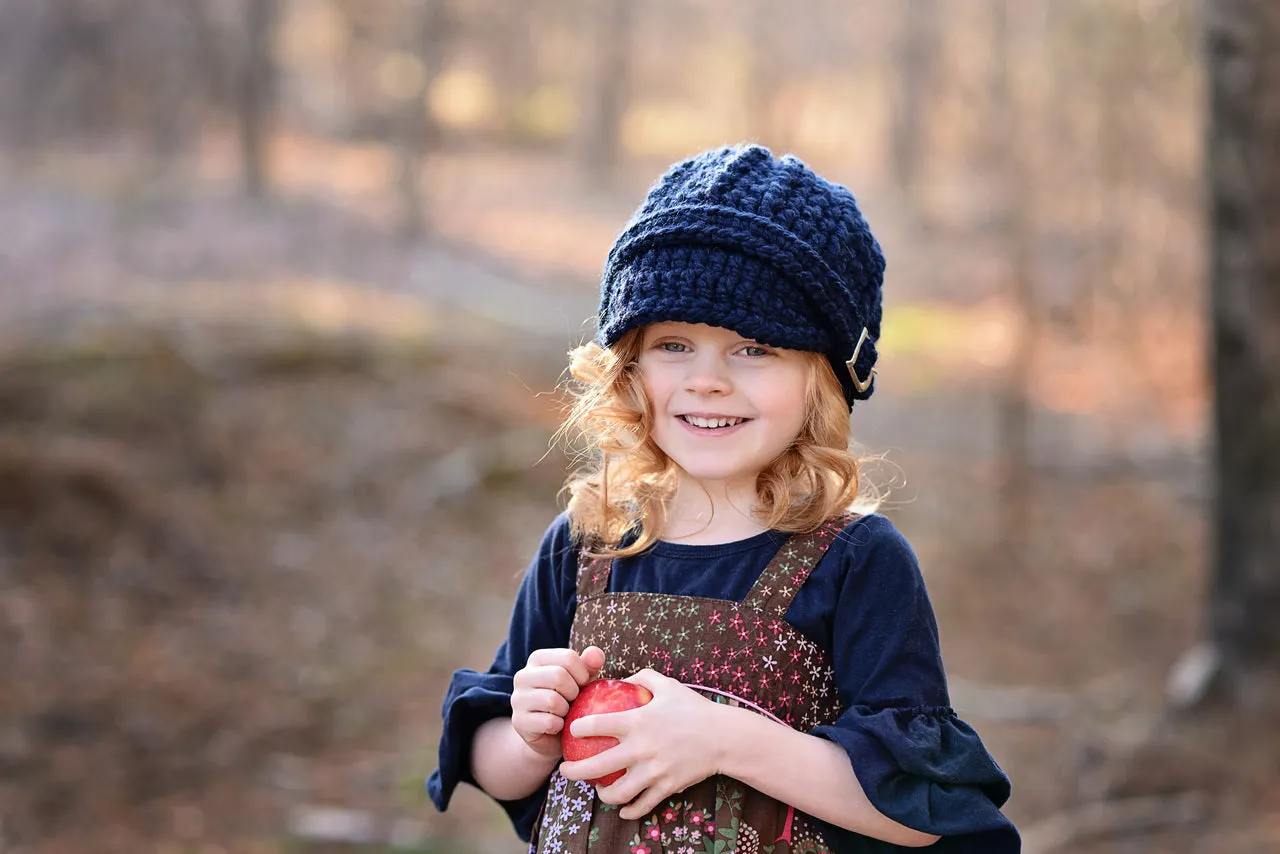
<point x="699" y="421"/>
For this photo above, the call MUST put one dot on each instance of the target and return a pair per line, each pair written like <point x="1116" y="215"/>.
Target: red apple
<point x="598" y="697"/>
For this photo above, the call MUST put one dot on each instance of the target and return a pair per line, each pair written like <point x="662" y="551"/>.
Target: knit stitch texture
<point x="738" y="239"/>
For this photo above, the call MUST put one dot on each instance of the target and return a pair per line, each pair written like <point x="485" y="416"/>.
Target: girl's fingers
<point x="602" y="764"/>
<point x="650" y="679"/>
<point x="542" y="723"/>
<point x="593" y="658"/>
<point x="548" y="677"/>
<point x="583" y="668"/>
<point x="641" y="806"/>
<point x="616" y="724"/>
<point x="539" y="701"/>
<point x="627" y="789"/>
<point x="557" y="704"/>
<point x="565" y="659"/>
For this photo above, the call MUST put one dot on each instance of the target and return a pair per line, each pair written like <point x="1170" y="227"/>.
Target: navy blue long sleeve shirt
<point x="865" y="602"/>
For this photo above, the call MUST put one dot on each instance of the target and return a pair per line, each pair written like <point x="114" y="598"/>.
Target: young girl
<point x="708" y="553"/>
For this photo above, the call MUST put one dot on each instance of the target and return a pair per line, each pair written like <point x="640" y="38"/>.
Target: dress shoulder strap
<point x="593" y="574"/>
<point x="778" y="584"/>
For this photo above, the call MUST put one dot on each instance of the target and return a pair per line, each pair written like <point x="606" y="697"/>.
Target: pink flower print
<point x="669" y="815"/>
<point x="639" y="849"/>
<point x="710" y="828"/>
<point x="696" y="818"/>
<point x="736" y="622"/>
<point x="775" y="626"/>
<point x="769" y="663"/>
<point x="714" y="618"/>
<point x="654" y="833"/>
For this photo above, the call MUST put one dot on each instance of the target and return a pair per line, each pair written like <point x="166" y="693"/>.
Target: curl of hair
<point x="623" y="480"/>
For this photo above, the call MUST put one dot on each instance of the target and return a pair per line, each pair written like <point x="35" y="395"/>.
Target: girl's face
<point x="724" y="407"/>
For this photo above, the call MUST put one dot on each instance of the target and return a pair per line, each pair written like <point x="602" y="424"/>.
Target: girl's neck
<point x="709" y="514"/>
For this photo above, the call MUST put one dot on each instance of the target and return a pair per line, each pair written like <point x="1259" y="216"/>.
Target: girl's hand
<point x="544" y="687"/>
<point x="666" y="746"/>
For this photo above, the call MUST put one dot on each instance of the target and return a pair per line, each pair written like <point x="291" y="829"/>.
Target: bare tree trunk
<point x="1243" y="171"/>
<point x="360" y="52"/>
<point x="166" y="45"/>
<point x="418" y="133"/>
<point x="257" y="92"/>
<point x="214" y="66"/>
<point x="1014" y="416"/>
<point x="918" y="43"/>
<point x="606" y="86"/>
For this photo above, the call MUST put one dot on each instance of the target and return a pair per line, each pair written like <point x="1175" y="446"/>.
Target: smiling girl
<point x="711" y="552"/>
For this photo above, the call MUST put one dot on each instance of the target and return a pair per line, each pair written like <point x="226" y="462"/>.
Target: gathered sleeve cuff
<point x="472" y="699"/>
<point x="916" y="760"/>
<point x="540" y="619"/>
<point x="927" y="769"/>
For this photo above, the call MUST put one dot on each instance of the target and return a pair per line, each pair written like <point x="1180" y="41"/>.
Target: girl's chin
<point x="709" y="474"/>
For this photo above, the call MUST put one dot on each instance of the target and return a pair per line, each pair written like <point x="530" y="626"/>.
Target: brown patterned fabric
<point x="730" y="652"/>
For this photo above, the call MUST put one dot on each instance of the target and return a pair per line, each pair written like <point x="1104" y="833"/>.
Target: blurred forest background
<point x="285" y="292"/>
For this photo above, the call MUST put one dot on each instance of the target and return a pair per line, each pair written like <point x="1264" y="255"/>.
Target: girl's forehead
<point x="678" y="327"/>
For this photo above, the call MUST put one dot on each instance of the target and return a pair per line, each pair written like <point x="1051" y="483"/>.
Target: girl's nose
<point x="709" y="375"/>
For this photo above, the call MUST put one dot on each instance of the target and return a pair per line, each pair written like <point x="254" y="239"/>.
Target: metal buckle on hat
<point x="860" y="385"/>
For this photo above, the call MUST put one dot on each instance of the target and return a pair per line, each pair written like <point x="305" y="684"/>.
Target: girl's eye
<point x="672" y="346"/>
<point x="754" y="351"/>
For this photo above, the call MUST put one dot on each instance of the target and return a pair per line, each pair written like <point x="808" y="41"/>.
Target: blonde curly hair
<point x="623" y="480"/>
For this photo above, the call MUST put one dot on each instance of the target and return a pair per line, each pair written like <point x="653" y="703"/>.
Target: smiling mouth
<point x="711" y="423"/>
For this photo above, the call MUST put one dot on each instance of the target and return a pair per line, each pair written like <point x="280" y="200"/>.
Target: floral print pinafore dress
<point x="743" y="653"/>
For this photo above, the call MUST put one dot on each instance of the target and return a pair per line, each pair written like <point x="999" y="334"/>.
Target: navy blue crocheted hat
<point x="767" y="248"/>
